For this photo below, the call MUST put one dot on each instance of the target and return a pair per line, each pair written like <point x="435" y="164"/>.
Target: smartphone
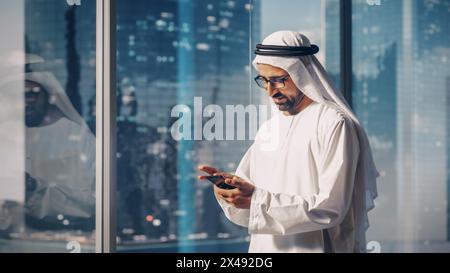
<point x="219" y="181"/>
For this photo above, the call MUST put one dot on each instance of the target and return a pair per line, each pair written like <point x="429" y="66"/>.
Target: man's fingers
<point x="230" y="179"/>
<point x="233" y="200"/>
<point x="228" y="200"/>
<point x="227" y="193"/>
<point x="223" y="174"/>
<point x="234" y="182"/>
<point x="208" y="169"/>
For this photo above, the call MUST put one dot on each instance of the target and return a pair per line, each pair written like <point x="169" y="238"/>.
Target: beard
<point x="290" y="103"/>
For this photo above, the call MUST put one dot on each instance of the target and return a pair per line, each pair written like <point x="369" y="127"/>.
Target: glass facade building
<point x="400" y="52"/>
<point x="169" y="53"/>
<point x="195" y="54"/>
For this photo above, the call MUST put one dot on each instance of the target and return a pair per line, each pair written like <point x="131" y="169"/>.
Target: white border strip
<point x="105" y="190"/>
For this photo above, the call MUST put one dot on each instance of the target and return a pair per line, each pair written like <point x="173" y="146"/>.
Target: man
<point x="59" y="153"/>
<point x="312" y="192"/>
<point x="60" y="158"/>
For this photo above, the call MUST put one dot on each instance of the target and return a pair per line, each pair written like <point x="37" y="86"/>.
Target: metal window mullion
<point x="106" y="127"/>
<point x="345" y="15"/>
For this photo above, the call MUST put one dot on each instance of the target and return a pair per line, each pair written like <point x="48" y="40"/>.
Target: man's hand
<point x="240" y="197"/>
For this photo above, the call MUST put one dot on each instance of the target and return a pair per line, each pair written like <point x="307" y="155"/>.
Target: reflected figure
<point x="146" y="172"/>
<point x="60" y="158"/>
<point x="132" y="169"/>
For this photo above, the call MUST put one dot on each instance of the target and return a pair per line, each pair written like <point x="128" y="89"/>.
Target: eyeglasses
<point x="34" y="89"/>
<point x="277" y="82"/>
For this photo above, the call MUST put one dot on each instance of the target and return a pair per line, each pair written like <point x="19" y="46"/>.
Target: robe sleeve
<point x="235" y="215"/>
<point x="281" y="214"/>
<point x="75" y="194"/>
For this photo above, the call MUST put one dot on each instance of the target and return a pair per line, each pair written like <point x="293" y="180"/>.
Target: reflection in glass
<point x="60" y="158"/>
<point x="48" y="195"/>
<point x="401" y="53"/>
<point x="169" y="52"/>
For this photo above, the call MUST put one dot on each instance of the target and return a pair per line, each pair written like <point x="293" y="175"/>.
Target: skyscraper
<point x="400" y="63"/>
<point x="168" y="53"/>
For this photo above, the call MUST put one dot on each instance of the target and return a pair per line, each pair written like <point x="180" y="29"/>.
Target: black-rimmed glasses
<point x="276" y="82"/>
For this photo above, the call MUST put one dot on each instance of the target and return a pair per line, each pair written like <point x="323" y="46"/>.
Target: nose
<point x="272" y="91"/>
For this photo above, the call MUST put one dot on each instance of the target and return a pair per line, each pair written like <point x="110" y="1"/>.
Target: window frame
<point x="106" y="113"/>
<point x="105" y="179"/>
<point x="346" y="69"/>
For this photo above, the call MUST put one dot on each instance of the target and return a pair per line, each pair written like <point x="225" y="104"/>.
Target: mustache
<point x="278" y="95"/>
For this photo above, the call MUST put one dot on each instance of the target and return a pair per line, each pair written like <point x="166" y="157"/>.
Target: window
<point x="401" y="52"/>
<point x="47" y="82"/>
<point x="186" y="59"/>
<point x="177" y="53"/>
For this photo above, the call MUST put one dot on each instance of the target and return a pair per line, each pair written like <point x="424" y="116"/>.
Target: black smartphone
<point x="219" y="181"/>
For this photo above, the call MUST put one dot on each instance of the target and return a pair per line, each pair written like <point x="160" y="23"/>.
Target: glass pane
<point x="169" y="53"/>
<point x="319" y="21"/>
<point x="185" y="57"/>
<point x="47" y="147"/>
<point x="401" y="72"/>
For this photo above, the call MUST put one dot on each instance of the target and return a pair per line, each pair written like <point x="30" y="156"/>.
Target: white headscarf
<point x="48" y="81"/>
<point x="311" y="78"/>
<point x="56" y="200"/>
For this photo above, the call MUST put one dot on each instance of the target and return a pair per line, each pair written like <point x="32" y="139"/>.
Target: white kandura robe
<point x="303" y="186"/>
<point x="61" y="158"/>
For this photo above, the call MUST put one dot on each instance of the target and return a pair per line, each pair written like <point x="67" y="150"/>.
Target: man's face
<point x="286" y="98"/>
<point x="36" y="104"/>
